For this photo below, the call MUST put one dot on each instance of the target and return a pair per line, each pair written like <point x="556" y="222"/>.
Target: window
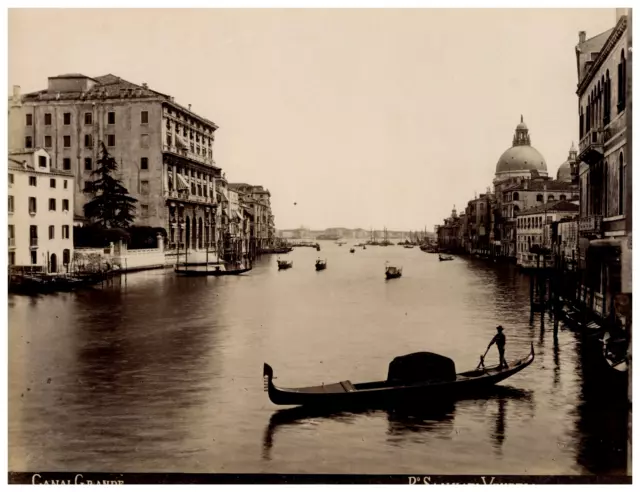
<point x="28" y="142"/>
<point x="551" y="198"/>
<point x="52" y="183"/>
<point x="11" y="204"/>
<point x="607" y="100"/>
<point x="88" y="165"/>
<point x="42" y="160"/>
<point x="29" y="119"/>
<point x="34" y="257"/>
<point x="184" y="131"/>
<point x="622" y="82"/>
<point x="144" y="187"/>
<point x="88" y="141"/>
<point x="66" y="164"/>
<point x="144" y="163"/>
<point x="47" y="141"/>
<point x="111" y="118"/>
<point x="168" y="124"/>
<point x="192" y="149"/>
<point x="10" y="178"/>
<point x="516" y="196"/>
<point x="66" y="118"/>
<point x="563" y="197"/>
<point x="65" y="184"/>
<point x="111" y="140"/>
<point x="88" y="118"/>
<point x="621" y="180"/>
<point x="33" y="181"/>
<point x="169" y="139"/>
<point x="66" y="141"/>
<point x="539" y="198"/>
<point x="144" y="117"/>
<point x="52" y="204"/>
<point x="65" y="232"/>
<point x="32" y="205"/>
<point x="144" y="209"/>
<point x="47" y="119"/>
<point x="12" y="231"/>
<point x="66" y="256"/>
<point x="52" y="232"/>
<point x="65" y="205"/>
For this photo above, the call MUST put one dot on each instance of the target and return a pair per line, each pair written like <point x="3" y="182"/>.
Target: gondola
<point x="393" y="272"/>
<point x="417" y="378"/>
<point x="215" y="272"/>
<point x="352" y="250"/>
<point x="321" y="264"/>
<point x="284" y="265"/>
<point x="445" y="258"/>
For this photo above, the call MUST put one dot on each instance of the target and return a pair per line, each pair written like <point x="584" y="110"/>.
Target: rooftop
<point x="539" y="185"/>
<point x="559" y="206"/>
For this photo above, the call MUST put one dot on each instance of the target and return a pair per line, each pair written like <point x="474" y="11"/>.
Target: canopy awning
<point x="182" y="183"/>
<point x="239" y="215"/>
<point x="181" y="144"/>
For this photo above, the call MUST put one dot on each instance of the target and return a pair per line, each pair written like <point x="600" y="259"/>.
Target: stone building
<point x="604" y="82"/>
<point x="533" y="229"/>
<point x="164" y="150"/>
<point x="479" y="223"/>
<point x="256" y="201"/>
<point x="450" y="235"/>
<point x="40" y="212"/>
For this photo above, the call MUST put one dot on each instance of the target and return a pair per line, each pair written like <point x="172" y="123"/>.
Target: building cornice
<point x="191" y="114"/>
<point x="615" y="36"/>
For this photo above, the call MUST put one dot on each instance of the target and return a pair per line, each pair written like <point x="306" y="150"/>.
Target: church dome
<point x="564" y="171"/>
<point x="521" y="158"/>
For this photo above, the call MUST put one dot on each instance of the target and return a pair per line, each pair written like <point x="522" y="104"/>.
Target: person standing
<point x="500" y="340"/>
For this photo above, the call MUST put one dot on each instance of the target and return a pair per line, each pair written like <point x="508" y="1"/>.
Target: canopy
<point x="421" y="366"/>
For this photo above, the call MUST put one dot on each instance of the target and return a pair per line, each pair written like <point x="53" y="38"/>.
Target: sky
<point x="350" y="117"/>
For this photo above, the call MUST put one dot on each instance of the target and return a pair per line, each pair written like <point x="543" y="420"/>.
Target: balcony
<point x="209" y="161"/>
<point x="592" y="147"/>
<point x="33" y="242"/>
<point x="12" y="242"/>
<point x="591" y="224"/>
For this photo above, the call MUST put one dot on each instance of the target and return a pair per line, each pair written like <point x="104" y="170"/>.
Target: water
<point x="159" y="373"/>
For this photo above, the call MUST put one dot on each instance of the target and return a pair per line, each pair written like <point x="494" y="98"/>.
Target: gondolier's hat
<point x="499" y="328"/>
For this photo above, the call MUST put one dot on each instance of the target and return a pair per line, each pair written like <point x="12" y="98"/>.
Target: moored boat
<point x="418" y="378"/>
<point x="445" y="257"/>
<point x="211" y="270"/>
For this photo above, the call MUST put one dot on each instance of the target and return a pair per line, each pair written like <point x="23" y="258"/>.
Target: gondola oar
<point x="482" y="359"/>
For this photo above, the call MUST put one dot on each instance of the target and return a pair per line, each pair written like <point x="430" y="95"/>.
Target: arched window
<point x="516" y="196"/>
<point x="622" y="82"/>
<point x="563" y="197"/>
<point x="66" y="257"/>
<point x="516" y="209"/>
<point x="607" y="100"/>
<point x="587" y="124"/>
<point x="621" y="183"/>
<point x="605" y="186"/>
<point x="551" y="198"/>
<point x="539" y="198"/>
<point x="581" y="122"/>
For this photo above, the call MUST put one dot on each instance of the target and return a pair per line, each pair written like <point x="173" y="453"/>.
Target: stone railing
<point x="593" y="138"/>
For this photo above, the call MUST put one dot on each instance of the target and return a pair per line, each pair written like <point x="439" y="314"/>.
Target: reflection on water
<point x="163" y="373"/>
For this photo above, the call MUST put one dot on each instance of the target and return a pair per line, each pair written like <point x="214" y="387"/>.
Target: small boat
<point x="317" y="247"/>
<point x="217" y="270"/>
<point x="445" y="257"/>
<point x="352" y="250"/>
<point x="364" y="246"/>
<point x="284" y="265"/>
<point x="417" y="378"/>
<point x="408" y="246"/>
<point x="321" y="264"/>
<point x="393" y="272"/>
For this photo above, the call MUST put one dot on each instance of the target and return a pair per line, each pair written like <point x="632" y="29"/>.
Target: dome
<point x="521" y="158"/>
<point x="522" y="126"/>
<point x="564" y="172"/>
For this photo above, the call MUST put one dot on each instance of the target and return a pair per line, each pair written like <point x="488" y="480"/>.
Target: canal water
<point x="159" y="373"/>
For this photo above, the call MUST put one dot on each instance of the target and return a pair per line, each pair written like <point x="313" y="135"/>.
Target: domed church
<point x="521" y="160"/>
<point x="564" y="171"/>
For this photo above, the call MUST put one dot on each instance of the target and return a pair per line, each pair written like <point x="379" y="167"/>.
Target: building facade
<point x="40" y="213"/>
<point x="604" y="175"/>
<point x="534" y="230"/>
<point x="164" y="150"/>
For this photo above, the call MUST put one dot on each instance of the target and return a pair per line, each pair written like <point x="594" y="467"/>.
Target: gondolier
<point x="500" y="340"/>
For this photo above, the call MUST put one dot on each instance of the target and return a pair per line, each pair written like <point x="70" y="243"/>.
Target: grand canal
<point x="157" y="373"/>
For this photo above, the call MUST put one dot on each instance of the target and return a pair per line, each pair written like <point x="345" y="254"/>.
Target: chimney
<point x="189" y="107"/>
<point x="144" y="85"/>
<point x="582" y="36"/>
<point x="16" y="91"/>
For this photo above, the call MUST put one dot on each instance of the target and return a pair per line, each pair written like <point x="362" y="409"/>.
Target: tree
<point x="111" y="205"/>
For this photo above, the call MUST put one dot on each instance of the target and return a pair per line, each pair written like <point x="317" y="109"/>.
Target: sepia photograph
<point x="319" y="245"/>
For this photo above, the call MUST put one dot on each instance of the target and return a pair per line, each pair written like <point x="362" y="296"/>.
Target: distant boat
<point x="408" y="246"/>
<point x="211" y="270"/>
<point x="393" y="272"/>
<point x="284" y="265"/>
<point x="364" y="246"/>
<point x="445" y="257"/>
<point x="321" y="264"/>
<point x="352" y="250"/>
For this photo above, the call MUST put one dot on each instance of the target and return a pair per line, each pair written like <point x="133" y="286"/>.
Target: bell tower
<point x="521" y="137"/>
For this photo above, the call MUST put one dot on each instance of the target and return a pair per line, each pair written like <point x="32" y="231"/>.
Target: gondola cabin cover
<point x="421" y="366"/>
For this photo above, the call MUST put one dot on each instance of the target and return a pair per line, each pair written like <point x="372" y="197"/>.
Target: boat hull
<point x="345" y="394"/>
<point x="211" y="273"/>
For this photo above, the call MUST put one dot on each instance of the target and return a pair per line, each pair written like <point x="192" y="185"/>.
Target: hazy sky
<point x="365" y="118"/>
